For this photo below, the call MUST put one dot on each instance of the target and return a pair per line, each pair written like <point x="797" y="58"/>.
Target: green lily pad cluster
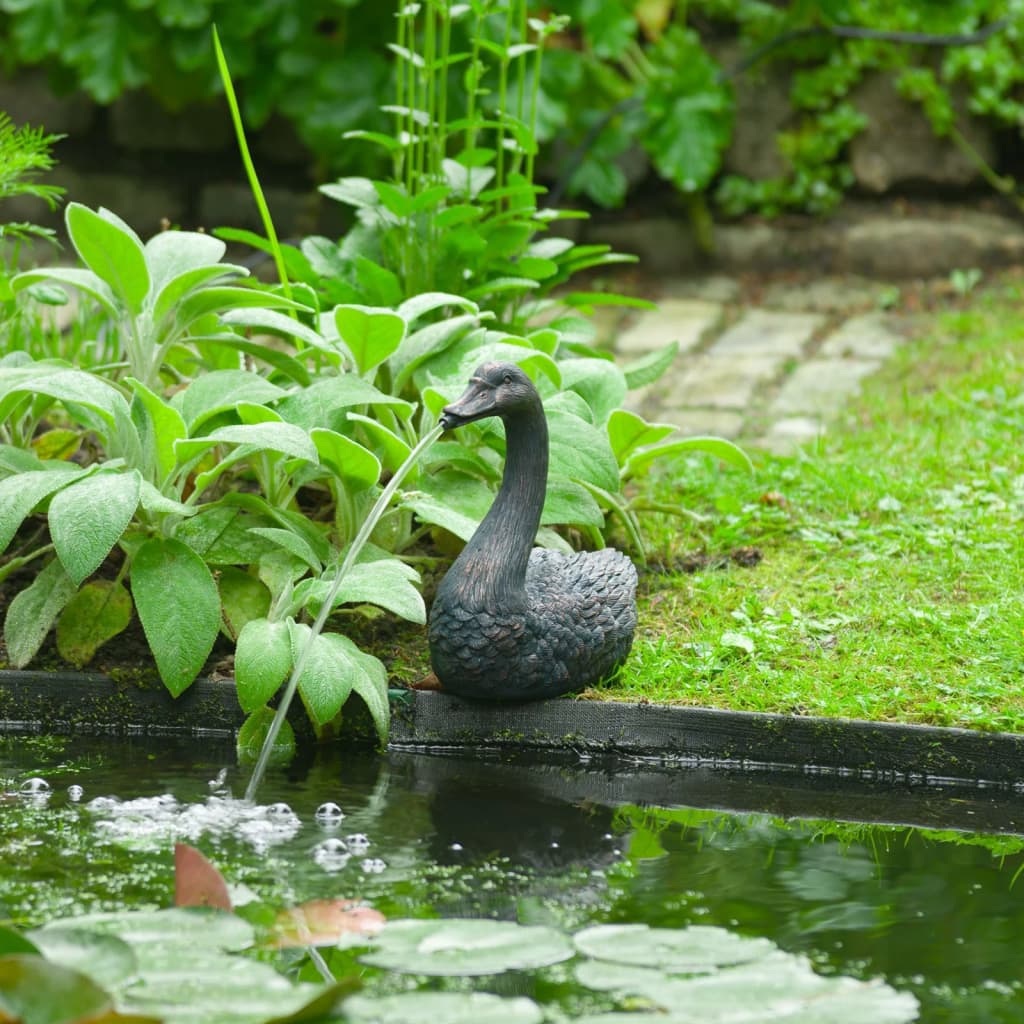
<point x="178" y="965"/>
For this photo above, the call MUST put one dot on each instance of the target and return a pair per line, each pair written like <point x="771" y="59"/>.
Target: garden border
<point x="649" y="733"/>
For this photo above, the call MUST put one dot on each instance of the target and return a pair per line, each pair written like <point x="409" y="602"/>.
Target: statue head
<point x="495" y="389"/>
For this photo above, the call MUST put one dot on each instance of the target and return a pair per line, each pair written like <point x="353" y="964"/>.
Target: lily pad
<point x="449" y="1007"/>
<point x="466" y="947"/>
<point x="693" y="950"/>
<point x="105" y="958"/>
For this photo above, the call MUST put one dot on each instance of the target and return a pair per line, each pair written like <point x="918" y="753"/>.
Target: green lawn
<point x="890" y="585"/>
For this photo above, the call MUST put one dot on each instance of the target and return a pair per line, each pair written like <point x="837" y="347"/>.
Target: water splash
<point x="357" y="545"/>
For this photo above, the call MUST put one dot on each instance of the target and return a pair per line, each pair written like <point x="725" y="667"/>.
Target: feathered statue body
<point x="514" y="622"/>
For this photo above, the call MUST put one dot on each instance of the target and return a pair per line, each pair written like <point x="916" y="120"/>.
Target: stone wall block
<point x="898" y="146"/>
<point x="28" y="99"/>
<point x="139" y="122"/>
<point x="230" y="204"/>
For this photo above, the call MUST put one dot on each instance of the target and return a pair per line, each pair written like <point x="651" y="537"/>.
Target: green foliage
<point x="635" y="73"/>
<point x="24" y="155"/>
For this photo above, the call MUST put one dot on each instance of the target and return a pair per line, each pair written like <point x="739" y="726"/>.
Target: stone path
<point x="772" y="373"/>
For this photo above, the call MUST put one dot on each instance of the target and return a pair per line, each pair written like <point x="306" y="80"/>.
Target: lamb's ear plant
<point x="161" y="296"/>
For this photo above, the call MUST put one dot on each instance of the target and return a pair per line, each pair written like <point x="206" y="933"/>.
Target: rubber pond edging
<point x="92" y="703"/>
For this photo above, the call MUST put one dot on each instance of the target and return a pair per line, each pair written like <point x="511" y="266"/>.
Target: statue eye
<point x="507" y="379"/>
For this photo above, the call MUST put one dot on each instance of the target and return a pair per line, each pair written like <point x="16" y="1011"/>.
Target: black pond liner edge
<point x="579" y="730"/>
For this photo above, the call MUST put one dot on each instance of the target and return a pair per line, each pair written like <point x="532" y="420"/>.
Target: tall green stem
<point x="378" y="510"/>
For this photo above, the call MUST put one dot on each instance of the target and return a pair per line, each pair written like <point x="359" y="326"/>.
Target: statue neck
<point x="493" y="563"/>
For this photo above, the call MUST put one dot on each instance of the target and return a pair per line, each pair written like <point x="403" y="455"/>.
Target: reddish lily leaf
<point x="323" y="923"/>
<point x="197" y="883"/>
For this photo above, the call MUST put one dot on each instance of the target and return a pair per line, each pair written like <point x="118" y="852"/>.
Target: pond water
<point x="933" y="911"/>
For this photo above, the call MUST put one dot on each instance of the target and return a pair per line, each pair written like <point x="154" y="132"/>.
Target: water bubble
<point x="331" y="855"/>
<point x="329" y="815"/>
<point x="357" y="843"/>
<point x="75" y="793"/>
<point x="103" y="804"/>
<point x="281" y="814"/>
<point x="34" y="787"/>
<point x="373" y="865"/>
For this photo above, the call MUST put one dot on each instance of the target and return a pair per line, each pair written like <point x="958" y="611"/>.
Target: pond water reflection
<point x="933" y="912"/>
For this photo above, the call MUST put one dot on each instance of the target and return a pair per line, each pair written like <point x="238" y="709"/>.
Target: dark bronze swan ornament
<point x="511" y="621"/>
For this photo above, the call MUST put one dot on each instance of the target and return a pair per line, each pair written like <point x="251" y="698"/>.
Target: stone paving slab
<point x="719" y="381"/>
<point x="868" y="336"/>
<point x="694" y="422"/>
<point x="791" y="433"/>
<point x="821" y="386"/>
<point x="682" y="320"/>
<point x="762" y="332"/>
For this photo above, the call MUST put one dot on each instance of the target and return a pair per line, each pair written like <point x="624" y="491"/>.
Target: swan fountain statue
<point x="511" y="621"/>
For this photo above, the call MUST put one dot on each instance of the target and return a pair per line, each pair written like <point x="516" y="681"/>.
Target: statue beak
<point x="476" y="403"/>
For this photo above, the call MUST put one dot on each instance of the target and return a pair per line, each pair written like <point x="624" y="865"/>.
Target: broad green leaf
<point x="35" y="991"/>
<point x="356" y="465"/>
<point x="277" y="323"/>
<point x="34" y="610"/>
<point x="280" y="361"/>
<point x="649" y="368"/>
<point x="179" y="607"/>
<point x="456" y="364"/>
<point x="384" y="582"/>
<point x="186" y="283"/>
<point x="84" y="280"/>
<point x="296" y="522"/>
<point x="80" y="388"/>
<point x="96" y="614"/>
<point x="600" y="383"/>
<point x="391" y="449"/>
<point x="106" y="959"/>
<point x="719" y="447"/>
<point x="61" y="444"/>
<point x="371" y="335"/>
<point x="370" y="681"/>
<point x="213" y="393"/>
<point x="569" y="503"/>
<point x="89" y="517"/>
<point x="159" y="425"/>
<point x="428" y="341"/>
<point x="358" y="192"/>
<point x="465" y="948"/>
<point x="413" y="308"/>
<point x="452" y="500"/>
<point x="380" y="285"/>
<point x="263" y="659"/>
<point x="157" y="503"/>
<point x="170" y="254"/>
<point x="327" y="676"/>
<point x="20" y="493"/>
<point x="223" y="535"/>
<point x="220" y="298"/>
<point x="326" y="402"/>
<point x="290" y="541"/>
<point x="243" y="598"/>
<point x="112" y="253"/>
<point x="581" y="451"/>
<point x="455" y="455"/>
<point x="627" y="431"/>
<point x="447" y="1007"/>
<point x="285" y="438"/>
